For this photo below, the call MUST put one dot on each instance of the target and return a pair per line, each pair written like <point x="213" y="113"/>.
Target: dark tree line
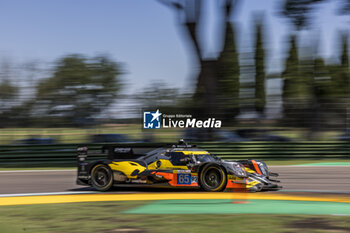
<point x="308" y="82"/>
<point x="78" y="90"/>
<point x="313" y="91"/>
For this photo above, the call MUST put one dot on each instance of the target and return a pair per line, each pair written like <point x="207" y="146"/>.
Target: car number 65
<point x="184" y="179"/>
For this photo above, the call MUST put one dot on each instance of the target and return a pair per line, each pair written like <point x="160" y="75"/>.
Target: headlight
<point x="238" y="170"/>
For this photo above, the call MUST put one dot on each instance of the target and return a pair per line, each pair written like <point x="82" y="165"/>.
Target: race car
<point x="179" y="165"/>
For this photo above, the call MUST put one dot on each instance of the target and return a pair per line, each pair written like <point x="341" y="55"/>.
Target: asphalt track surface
<point x="327" y="179"/>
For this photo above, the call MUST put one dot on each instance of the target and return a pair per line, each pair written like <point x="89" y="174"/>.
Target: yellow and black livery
<point x="179" y="165"/>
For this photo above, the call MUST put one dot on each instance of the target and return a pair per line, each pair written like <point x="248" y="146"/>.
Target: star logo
<point x="151" y="120"/>
<point x="156" y="115"/>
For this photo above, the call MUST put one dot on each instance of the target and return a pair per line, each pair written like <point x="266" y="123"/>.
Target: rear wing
<point x="83" y="175"/>
<point x="111" y="152"/>
<point x="117" y="152"/>
<point x="124" y="151"/>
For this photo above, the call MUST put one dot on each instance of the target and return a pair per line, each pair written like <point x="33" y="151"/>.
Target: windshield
<point x="206" y="158"/>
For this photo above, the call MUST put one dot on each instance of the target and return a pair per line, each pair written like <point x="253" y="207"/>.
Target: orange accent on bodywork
<point x="166" y="175"/>
<point x="256" y="167"/>
<point x="233" y="185"/>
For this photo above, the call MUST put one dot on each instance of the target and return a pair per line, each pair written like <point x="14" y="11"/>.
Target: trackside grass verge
<point x="110" y="217"/>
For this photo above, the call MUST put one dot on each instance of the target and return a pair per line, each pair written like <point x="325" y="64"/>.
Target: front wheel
<point x="213" y="178"/>
<point x="101" y="177"/>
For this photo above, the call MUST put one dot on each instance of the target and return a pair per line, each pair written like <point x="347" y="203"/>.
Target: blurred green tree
<point x="217" y="83"/>
<point x="8" y="95"/>
<point x="322" y="82"/>
<point x="228" y="76"/>
<point x="290" y="77"/>
<point x="340" y="72"/>
<point x="297" y="76"/>
<point x="260" y="75"/>
<point x="340" y="82"/>
<point x="79" y="89"/>
<point x="9" y="90"/>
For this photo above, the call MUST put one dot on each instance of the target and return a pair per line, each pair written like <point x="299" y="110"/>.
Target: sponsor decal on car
<point x="182" y="171"/>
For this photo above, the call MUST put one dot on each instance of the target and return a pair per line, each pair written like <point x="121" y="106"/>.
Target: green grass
<point x="109" y="217"/>
<point x="252" y="207"/>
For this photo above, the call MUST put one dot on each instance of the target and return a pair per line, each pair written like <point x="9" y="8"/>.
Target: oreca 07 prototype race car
<point x="180" y="165"/>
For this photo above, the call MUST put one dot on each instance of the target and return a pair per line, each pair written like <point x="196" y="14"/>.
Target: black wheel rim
<point x="213" y="178"/>
<point x="101" y="177"/>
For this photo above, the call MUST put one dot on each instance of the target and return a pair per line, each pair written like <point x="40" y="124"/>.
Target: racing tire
<point x="213" y="178"/>
<point x="101" y="177"/>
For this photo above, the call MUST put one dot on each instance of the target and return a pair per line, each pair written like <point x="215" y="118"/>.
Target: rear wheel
<point x="213" y="178"/>
<point x="101" y="177"/>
